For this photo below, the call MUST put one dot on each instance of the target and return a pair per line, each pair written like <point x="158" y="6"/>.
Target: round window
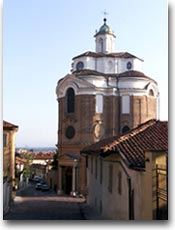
<point x="79" y="66"/>
<point x="70" y="132"/>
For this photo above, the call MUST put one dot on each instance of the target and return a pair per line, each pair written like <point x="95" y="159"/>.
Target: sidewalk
<point x="89" y="213"/>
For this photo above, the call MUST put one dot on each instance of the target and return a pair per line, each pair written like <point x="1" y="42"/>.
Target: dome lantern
<point x="104" y="29"/>
<point x="105" y="39"/>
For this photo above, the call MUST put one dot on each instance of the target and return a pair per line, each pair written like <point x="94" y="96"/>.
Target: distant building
<point x="105" y="95"/>
<point x="41" y="164"/>
<point x="43" y="158"/>
<point x="52" y="179"/>
<point x="127" y="175"/>
<point x="9" y="131"/>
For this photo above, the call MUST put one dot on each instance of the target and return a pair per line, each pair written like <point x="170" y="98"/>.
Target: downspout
<point x="130" y="211"/>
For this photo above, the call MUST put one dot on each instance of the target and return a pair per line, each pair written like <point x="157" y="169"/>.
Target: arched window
<point x="70" y="100"/>
<point x="151" y="93"/>
<point x="101" y="45"/>
<point x="125" y="129"/>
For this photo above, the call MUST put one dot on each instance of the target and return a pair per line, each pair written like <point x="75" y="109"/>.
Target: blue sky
<point x="40" y="38"/>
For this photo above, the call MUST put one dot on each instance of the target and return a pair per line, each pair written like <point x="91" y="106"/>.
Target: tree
<point x="29" y="159"/>
<point x="55" y="162"/>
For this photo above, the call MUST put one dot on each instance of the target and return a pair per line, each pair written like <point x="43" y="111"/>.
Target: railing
<point x="160" y="192"/>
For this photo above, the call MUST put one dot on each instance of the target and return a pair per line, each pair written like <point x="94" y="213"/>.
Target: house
<point x="41" y="164"/>
<point x="52" y="178"/>
<point x="127" y="175"/>
<point x="9" y="131"/>
<point x="43" y="158"/>
<point x="19" y="169"/>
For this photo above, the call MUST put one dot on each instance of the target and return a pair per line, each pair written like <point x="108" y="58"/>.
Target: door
<point x="67" y="179"/>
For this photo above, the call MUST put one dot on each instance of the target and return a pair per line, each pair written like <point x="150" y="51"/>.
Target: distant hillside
<point x="38" y="149"/>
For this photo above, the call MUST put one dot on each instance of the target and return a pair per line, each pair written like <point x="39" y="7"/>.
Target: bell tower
<point x="105" y="39"/>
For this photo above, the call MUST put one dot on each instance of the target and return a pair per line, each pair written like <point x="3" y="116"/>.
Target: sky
<point x="40" y="38"/>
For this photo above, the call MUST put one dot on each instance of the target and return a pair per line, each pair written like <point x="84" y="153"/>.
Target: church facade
<point x="106" y="94"/>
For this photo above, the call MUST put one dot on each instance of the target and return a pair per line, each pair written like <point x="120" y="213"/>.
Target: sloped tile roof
<point x="20" y="160"/>
<point x="9" y="126"/>
<point x="43" y="156"/>
<point x="151" y="135"/>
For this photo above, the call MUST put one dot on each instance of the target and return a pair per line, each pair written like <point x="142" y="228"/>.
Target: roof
<point x="104" y="29"/>
<point x="72" y="156"/>
<point x="9" y="126"/>
<point x="99" y="55"/>
<point x="43" y="156"/>
<point x="151" y="135"/>
<point x="131" y="73"/>
<point x="20" y="160"/>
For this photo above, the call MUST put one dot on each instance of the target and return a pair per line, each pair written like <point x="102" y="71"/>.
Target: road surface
<point x="32" y="204"/>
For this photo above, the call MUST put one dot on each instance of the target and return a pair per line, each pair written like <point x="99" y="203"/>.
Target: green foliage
<point x="5" y="175"/>
<point x="28" y="156"/>
<point x="55" y="162"/>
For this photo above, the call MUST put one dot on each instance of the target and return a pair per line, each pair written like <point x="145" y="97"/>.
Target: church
<point x="106" y="94"/>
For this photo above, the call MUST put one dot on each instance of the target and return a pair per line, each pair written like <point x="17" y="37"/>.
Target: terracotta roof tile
<point x="151" y="135"/>
<point x="20" y="160"/>
<point x="43" y="156"/>
<point x="9" y="126"/>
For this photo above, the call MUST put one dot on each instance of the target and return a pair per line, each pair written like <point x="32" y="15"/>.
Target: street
<point x="32" y="204"/>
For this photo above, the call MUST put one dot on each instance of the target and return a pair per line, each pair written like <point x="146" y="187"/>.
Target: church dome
<point x="104" y="29"/>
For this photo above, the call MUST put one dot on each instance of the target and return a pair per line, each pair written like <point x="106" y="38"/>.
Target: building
<point x="106" y="94"/>
<point x="42" y="158"/>
<point x="127" y="175"/>
<point x="9" y="131"/>
<point x="41" y="164"/>
<point x="20" y="164"/>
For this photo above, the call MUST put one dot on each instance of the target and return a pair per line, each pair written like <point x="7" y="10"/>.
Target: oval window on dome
<point x="129" y="65"/>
